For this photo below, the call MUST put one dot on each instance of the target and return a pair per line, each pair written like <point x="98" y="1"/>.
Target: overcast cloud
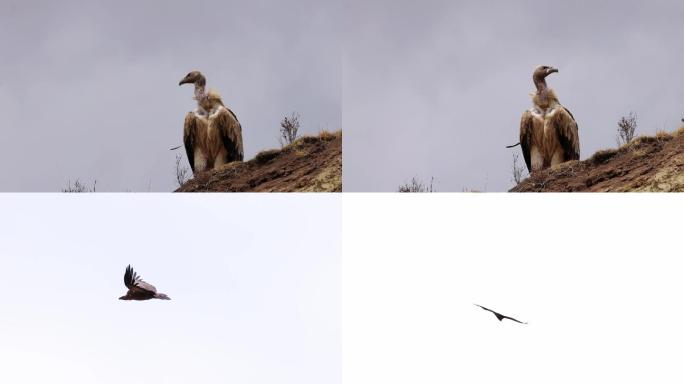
<point x="90" y="89"/>
<point x="437" y="88"/>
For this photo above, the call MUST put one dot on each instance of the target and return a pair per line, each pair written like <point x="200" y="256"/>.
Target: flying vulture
<point x="212" y="133"/>
<point x="548" y="131"/>
<point x="138" y="289"/>
<point x="500" y="316"/>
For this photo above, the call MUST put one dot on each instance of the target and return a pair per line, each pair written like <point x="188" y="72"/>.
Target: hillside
<point x="310" y="164"/>
<point x="647" y="164"/>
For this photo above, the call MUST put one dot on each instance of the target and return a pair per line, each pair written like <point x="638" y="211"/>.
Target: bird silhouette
<point x="500" y="316"/>
<point x="138" y="289"/>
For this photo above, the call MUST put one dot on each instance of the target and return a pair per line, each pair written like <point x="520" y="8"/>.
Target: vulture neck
<point x="199" y="89"/>
<point x="544" y="98"/>
<point x="199" y="92"/>
<point x="540" y="83"/>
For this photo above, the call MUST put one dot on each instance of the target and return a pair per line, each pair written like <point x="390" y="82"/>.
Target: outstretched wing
<point x="136" y="284"/>
<point x="230" y="132"/>
<point x="568" y="134"/>
<point x="486" y="309"/>
<point x="510" y="318"/>
<point x="526" y="132"/>
<point x="190" y="136"/>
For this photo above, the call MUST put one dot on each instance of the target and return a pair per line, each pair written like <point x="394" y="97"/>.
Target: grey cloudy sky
<point x="90" y="88"/>
<point x="254" y="284"/>
<point x="437" y="88"/>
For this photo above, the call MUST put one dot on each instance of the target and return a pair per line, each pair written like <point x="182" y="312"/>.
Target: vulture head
<point x="542" y="71"/>
<point x="194" y="77"/>
<point x="539" y="76"/>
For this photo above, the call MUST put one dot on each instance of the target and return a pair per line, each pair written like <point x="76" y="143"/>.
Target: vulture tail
<point x="161" y="296"/>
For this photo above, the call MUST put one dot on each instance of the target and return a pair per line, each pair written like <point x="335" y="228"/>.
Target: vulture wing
<point x="135" y="283"/>
<point x="231" y="133"/>
<point x="190" y="136"/>
<point x="486" y="309"/>
<point x="510" y="318"/>
<point x="566" y="127"/>
<point x="526" y="131"/>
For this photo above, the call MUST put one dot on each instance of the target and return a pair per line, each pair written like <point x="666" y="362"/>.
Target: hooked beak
<point x="184" y="81"/>
<point x="552" y="70"/>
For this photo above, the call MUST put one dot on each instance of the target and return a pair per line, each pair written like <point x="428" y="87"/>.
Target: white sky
<point x="255" y="288"/>
<point x="599" y="283"/>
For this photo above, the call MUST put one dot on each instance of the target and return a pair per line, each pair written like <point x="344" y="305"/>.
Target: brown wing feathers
<point x="190" y="138"/>
<point x="526" y="128"/>
<point x="139" y="289"/>
<point x="568" y="135"/>
<point x="231" y="134"/>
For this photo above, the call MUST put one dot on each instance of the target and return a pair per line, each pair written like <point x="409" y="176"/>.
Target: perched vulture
<point x="500" y="316"/>
<point x="548" y="131"/>
<point x="212" y="133"/>
<point x="138" y="289"/>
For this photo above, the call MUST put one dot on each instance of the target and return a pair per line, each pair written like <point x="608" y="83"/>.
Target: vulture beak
<point x="185" y="80"/>
<point x="552" y="70"/>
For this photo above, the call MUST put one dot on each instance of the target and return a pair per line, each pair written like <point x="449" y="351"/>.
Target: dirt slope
<point x="648" y="164"/>
<point x="310" y="164"/>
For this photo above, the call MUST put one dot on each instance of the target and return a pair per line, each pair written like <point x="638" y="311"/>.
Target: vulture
<point x="138" y="289"/>
<point x="548" y="131"/>
<point x="212" y="134"/>
<point x="500" y="316"/>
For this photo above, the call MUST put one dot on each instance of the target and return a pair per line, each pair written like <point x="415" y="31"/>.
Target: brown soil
<point x="647" y="164"/>
<point x="310" y="164"/>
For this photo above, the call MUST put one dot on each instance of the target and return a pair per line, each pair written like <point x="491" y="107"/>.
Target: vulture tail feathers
<point x="162" y="296"/>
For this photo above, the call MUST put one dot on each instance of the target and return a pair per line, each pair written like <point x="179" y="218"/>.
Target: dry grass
<point x="604" y="155"/>
<point x="79" y="187"/>
<point x="663" y="135"/>
<point x="327" y="135"/>
<point x="269" y="154"/>
<point x="678" y="131"/>
<point x="417" y="185"/>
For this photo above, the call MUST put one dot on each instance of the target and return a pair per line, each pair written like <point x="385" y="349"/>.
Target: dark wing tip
<point x="127" y="276"/>
<point x="516" y="320"/>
